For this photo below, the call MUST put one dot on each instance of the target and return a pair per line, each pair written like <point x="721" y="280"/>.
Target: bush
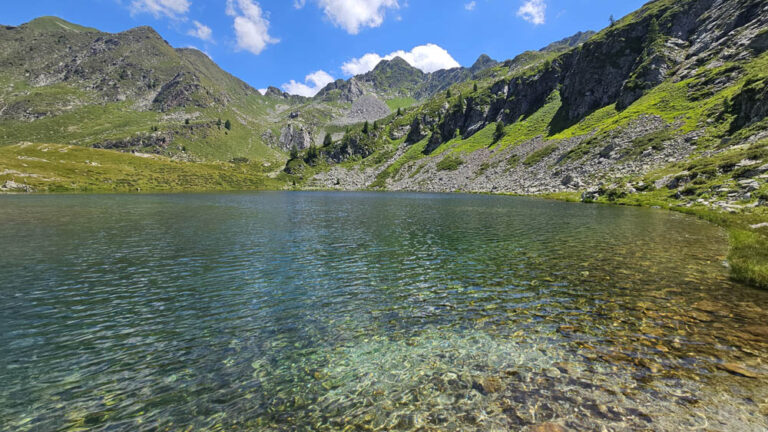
<point x="498" y="134"/>
<point x="540" y="154"/>
<point x="450" y="163"/>
<point x="615" y="194"/>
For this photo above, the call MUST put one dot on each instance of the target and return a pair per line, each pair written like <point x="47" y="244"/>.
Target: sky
<point x="302" y="45"/>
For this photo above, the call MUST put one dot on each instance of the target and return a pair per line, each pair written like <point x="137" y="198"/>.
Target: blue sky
<point x="300" y="45"/>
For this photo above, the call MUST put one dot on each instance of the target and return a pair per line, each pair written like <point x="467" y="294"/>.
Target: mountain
<point x="132" y="91"/>
<point x="396" y="78"/>
<point x="128" y="91"/>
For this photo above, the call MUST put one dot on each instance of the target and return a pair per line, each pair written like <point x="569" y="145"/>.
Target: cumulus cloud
<point x="470" y="6"/>
<point x="533" y="11"/>
<point x="352" y="15"/>
<point x="428" y="58"/>
<point x="158" y="8"/>
<point x="201" y="31"/>
<point x="251" y="26"/>
<point x="312" y="84"/>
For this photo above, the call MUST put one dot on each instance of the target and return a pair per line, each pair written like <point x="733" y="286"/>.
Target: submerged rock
<point x="547" y="427"/>
<point x="737" y="370"/>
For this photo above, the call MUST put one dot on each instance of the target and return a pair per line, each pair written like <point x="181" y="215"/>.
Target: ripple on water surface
<point x="299" y="311"/>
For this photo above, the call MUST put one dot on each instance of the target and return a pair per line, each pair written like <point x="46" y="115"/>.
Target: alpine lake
<point x="319" y="311"/>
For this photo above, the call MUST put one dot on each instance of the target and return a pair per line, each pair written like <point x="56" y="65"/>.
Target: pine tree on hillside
<point x="499" y="133"/>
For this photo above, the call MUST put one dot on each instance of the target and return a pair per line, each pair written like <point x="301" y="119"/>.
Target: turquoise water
<point x="326" y="311"/>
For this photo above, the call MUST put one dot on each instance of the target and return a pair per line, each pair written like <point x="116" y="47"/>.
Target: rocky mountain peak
<point x="483" y="62"/>
<point x="397" y="64"/>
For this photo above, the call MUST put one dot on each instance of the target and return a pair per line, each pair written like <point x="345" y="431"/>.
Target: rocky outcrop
<point x="155" y="142"/>
<point x="342" y="91"/>
<point x="366" y="108"/>
<point x="352" y="145"/>
<point x="750" y="104"/>
<point x="415" y="133"/>
<point x="295" y="135"/>
<point x="182" y="91"/>
<point x="12" y="186"/>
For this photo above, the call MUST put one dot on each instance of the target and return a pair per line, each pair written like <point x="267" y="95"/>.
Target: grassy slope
<point x="62" y="168"/>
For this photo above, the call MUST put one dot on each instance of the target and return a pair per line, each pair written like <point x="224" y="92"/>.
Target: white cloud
<point x="251" y="26"/>
<point x="201" y="31"/>
<point x="470" y="6"/>
<point x="169" y="8"/>
<point x="298" y="4"/>
<point x="351" y="15"/>
<point x="533" y="11"/>
<point x="312" y="84"/>
<point x="263" y="91"/>
<point x="428" y="58"/>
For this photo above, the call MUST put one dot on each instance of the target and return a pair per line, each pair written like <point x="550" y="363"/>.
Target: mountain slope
<point x="129" y="90"/>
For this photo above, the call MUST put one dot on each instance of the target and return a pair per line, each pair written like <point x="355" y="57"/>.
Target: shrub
<point x="498" y="134"/>
<point x="539" y="155"/>
<point x="450" y="163"/>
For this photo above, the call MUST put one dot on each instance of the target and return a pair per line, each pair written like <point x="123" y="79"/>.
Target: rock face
<point x="295" y="136"/>
<point x="366" y="108"/>
<point x="183" y="90"/>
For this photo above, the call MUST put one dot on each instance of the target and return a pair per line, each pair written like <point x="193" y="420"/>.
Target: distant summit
<point x="483" y="62"/>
